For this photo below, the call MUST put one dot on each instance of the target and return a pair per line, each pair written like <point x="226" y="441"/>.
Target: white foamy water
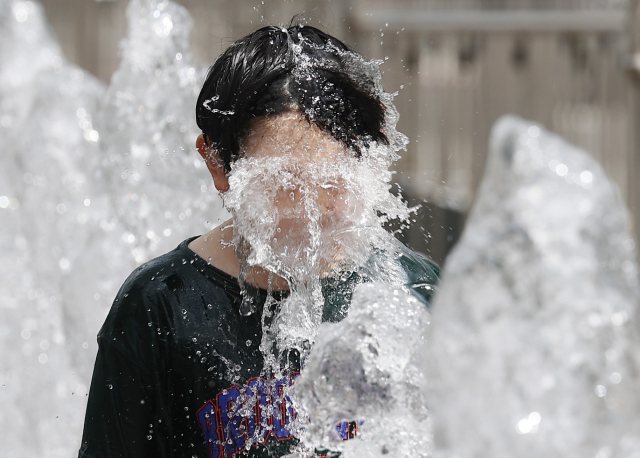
<point x="148" y="134"/>
<point x="533" y="347"/>
<point x="305" y="221"/>
<point x="46" y="173"/>
<point x="306" y="208"/>
<point x="367" y="369"/>
<point x="93" y="182"/>
<point x="534" y="344"/>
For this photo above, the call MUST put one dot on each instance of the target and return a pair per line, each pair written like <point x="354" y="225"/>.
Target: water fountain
<point x="47" y="158"/>
<point x="80" y="208"/>
<point x="533" y="345"/>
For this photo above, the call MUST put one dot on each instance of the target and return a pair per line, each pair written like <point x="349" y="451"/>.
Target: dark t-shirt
<point x="176" y="361"/>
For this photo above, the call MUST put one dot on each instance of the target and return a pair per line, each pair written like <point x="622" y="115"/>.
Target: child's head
<point x="295" y="130"/>
<point x="277" y="70"/>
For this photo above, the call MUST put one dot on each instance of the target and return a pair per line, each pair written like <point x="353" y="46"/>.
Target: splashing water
<point x="91" y="190"/>
<point x="122" y="156"/>
<point x="306" y="209"/>
<point x="48" y="153"/>
<point x="533" y="349"/>
<point x="148" y="132"/>
<point x="534" y="343"/>
<point x="368" y="368"/>
<point x="305" y="214"/>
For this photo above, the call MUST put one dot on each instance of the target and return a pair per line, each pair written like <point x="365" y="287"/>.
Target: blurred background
<point x="457" y="66"/>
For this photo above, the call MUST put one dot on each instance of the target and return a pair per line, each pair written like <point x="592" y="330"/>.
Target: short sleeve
<point x="127" y="413"/>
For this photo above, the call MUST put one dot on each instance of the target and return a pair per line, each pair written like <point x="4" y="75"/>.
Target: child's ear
<point x="214" y="164"/>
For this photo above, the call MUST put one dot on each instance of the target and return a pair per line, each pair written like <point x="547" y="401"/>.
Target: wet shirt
<point x="176" y="358"/>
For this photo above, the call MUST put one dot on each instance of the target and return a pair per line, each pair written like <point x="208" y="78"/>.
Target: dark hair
<point x="299" y="68"/>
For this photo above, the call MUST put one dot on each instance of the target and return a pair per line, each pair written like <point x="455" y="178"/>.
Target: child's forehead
<point x="290" y="134"/>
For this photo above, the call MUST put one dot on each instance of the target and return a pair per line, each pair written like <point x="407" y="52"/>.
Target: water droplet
<point x="535" y="418"/>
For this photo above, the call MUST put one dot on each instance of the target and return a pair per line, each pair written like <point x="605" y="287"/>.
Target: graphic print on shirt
<point x="244" y="417"/>
<point x="248" y="416"/>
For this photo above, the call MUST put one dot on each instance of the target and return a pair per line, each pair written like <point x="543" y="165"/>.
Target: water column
<point x="49" y="149"/>
<point x="94" y="181"/>
<point x="534" y="346"/>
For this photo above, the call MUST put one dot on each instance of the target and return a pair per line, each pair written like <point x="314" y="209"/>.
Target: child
<point x="185" y="366"/>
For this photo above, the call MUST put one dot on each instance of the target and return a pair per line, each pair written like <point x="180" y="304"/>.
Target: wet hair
<point x="275" y="70"/>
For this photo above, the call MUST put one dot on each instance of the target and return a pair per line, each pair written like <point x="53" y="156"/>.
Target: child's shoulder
<point x="418" y="266"/>
<point x="156" y="275"/>
<point x="149" y="292"/>
<point x="423" y="274"/>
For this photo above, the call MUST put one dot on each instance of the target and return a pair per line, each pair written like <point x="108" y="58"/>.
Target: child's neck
<point x="216" y="247"/>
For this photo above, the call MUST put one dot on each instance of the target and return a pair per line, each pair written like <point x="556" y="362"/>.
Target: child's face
<point x="310" y="158"/>
<point x="295" y="172"/>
